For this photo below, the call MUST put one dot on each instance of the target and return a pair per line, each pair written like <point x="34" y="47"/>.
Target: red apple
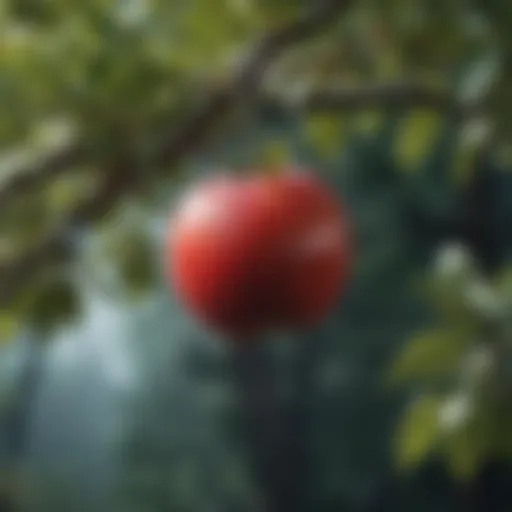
<point x="252" y="253"/>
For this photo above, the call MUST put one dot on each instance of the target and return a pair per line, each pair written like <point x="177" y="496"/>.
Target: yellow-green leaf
<point x="430" y="355"/>
<point x="9" y="325"/>
<point x="136" y="265"/>
<point x="467" y="447"/>
<point x="368" y="121"/>
<point x="325" y="133"/>
<point x="417" y="433"/>
<point x="64" y="191"/>
<point x="463" y="455"/>
<point x="274" y="153"/>
<point x="415" y="137"/>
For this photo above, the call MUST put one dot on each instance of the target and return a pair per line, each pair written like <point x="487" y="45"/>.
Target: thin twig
<point x="389" y="96"/>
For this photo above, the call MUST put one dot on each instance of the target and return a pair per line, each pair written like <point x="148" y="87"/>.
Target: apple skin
<point x="249" y="254"/>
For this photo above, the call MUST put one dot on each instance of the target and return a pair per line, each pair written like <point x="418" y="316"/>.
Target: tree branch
<point x="123" y="176"/>
<point x="391" y="96"/>
<point x="30" y="177"/>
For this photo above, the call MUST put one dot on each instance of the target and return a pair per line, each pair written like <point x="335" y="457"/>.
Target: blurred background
<point x="113" y="398"/>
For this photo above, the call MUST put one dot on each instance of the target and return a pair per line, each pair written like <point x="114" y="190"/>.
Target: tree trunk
<point x="16" y="427"/>
<point x="275" y="429"/>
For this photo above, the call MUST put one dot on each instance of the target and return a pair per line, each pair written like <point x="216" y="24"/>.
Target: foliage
<point x="465" y="362"/>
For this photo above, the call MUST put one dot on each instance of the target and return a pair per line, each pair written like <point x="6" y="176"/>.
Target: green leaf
<point x="463" y="455"/>
<point x="473" y="135"/>
<point x="54" y="302"/>
<point x="430" y="355"/>
<point x="415" y="137"/>
<point x="274" y="153"/>
<point x="206" y="41"/>
<point x="452" y="306"/>
<point x="12" y="317"/>
<point x="475" y="428"/>
<point x="132" y="252"/>
<point x="417" y="433"/>
<point x="455" y="273"/>
<point x="468" y="445"/>
<point x="325" y="133"/>
<point x="65" y="191"/>
<point x="368" y="121"/>
<point x="10" y="324"/>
